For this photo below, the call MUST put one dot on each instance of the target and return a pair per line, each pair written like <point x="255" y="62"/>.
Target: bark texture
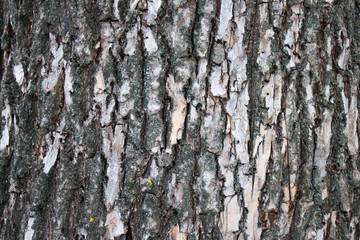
<point x="184" y="119"/>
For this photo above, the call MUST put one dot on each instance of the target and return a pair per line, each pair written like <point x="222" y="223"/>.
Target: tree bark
<point x="158" y="119"/>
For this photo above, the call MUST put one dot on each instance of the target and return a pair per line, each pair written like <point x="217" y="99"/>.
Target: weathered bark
<point x="157" y="119"/>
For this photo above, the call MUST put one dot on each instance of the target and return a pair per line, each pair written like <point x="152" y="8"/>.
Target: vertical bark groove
<point x="186" y="119"/>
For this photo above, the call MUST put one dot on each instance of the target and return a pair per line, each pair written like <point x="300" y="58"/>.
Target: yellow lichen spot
<point x="91" y="219"/>
<point x="150" y="182"/>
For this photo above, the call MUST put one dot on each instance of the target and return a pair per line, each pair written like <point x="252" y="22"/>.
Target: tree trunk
<point x="158" y="119"/>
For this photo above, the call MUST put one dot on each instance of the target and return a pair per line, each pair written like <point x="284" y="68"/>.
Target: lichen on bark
<point x="201" y="119"/>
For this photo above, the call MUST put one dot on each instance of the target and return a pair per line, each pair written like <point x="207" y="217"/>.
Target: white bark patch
<point x="51" y="155"/>
<point x="133" y="4"/>
<point x="179" y="111"/>
<point x="351" y="126"/>
<point x="240" y="123"/>
<point x="353" y="224"/>
<point x="285" y="135"/>
<point x="265" y="50"/>
<point x="114" y="226"/>
<point x="153" y="8"/>
<point x="100" y="84"/>
<point x="68" y="86"/>
<point x="175" y="234"/>
<point x="126" y="104"/>
<point x="265" y="40"/>
<point x="230" y="217"/>
<point x="177" y="120"/>
<point x="309" y="97"/>
<point x="219" y="82"/>
<point x="5" y="138"/>
<point x="154" y="171"/>
<point x="262" y="160"/>
<point x="107" y="38"/>
<point x="345" y="54"/>
<point x="328" y="46"/>
<point x="106" y="108"/>
<point x="272" y="94"/>
<point x="193" y="114"/>
<point x="56" y="65"/>
<point x="263" y="10"/>
<point x="225" y="17"/>
<point x="112" y="141"/>
<point x="236" y="107"/>
<point x="292" y="35"/>
<point x="319" y="235"/>
<point x="124" y="91"/>
<point x="113" y="148"/>
<point x="116" y="9"/>
<point x="53" y="150"/>
<point x="29" y="232"/>
<point x="18" y="72"/>
<point x="333" y="219"/>
<point x="131" y="37"/>
<point x="252" y="194"/>
<point x="251" y="203"/>
<point x="277" y="8"/>
<point x="237" y="56"/>
<point x="149" y="40"/>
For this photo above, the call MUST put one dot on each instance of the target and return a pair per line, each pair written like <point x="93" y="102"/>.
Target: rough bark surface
<point x="184" y="119"/>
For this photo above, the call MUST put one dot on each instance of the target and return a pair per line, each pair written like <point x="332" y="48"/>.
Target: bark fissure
<point x="187" y="119"/>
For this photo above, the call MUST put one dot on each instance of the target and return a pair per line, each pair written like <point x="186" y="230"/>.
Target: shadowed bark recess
<point x="185" y="119"/>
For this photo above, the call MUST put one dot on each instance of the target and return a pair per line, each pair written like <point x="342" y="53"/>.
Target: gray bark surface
<point x="184" y="119"/>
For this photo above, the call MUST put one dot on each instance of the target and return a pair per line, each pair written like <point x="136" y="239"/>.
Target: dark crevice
<point x="166" y="100"/>
<point x="212" y="41"/>
<point x="142" y="89"/>
<point x="123" y="154"/>
<point x="253" y="83"/>
<point x="166" y="213"/>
